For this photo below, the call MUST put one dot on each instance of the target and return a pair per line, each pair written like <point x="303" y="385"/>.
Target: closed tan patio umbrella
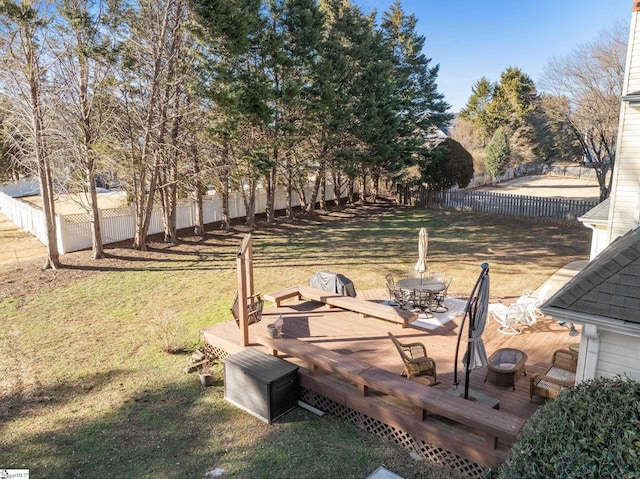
<point x="423" y="243"/>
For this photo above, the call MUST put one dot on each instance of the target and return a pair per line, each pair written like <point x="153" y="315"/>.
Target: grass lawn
<point x="86" y="392"/>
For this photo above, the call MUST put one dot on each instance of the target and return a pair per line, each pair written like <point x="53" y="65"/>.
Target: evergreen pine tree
<point x="498" y="153"/>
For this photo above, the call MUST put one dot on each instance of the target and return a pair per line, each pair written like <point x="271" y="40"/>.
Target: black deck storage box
<point x="260" y="384"/>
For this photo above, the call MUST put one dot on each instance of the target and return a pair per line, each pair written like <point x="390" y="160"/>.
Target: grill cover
<point x="334" y="283"/>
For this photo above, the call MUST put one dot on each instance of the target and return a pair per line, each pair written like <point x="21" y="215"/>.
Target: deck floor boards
<point x="367" y="340"/>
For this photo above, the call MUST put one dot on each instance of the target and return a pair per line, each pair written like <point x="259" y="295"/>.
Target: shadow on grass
<point x="182" y="431"/>
<point x="375" y="234"/>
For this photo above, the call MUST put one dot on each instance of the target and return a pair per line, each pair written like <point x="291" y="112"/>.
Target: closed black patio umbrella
<point x="477" y="310"/>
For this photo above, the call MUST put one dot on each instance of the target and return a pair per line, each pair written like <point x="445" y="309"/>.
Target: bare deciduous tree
<point x="26" y="56"/>
<point x="149" y="59"/>
<point x="83" y="69"/>
<point x="588" y="85"/>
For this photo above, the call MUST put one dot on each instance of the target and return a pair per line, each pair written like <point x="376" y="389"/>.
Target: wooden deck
<point x="366" y="340"/>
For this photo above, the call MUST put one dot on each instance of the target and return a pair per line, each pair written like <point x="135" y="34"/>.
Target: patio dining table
<point x="425" y="284"/>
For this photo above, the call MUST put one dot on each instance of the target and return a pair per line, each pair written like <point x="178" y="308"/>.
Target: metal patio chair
<point x="441" y="296"/>
<point x="424" y="301"/>
<point x="400" y="296"/>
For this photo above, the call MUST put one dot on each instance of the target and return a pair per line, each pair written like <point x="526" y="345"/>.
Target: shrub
<point x="165" y="329"/>
<point x="498" y="153"/>
<point x="590" y="430"/>
<point x="448" y="164"/>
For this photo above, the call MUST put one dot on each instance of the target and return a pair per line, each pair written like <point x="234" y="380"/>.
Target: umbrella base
<point x="475" y="396"/>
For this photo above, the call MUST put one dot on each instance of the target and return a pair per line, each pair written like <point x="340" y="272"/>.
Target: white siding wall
<point x="619" y="354"/>
<point x="599" y="241"/>
<point x="623" y="213"/>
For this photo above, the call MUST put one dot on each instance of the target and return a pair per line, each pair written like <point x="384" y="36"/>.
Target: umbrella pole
<point x="470" y="328"/>
<point x="470" y="303"/>
<point x="455" y="364"/>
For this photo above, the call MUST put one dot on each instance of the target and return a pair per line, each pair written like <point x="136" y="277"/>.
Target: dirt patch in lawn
<point x="16" y="245"/>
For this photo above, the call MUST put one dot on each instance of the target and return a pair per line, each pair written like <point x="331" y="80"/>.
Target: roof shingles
<point x="609" y="286"/>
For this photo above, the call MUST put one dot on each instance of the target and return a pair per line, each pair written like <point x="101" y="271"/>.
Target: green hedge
<point x="591" y="430"/>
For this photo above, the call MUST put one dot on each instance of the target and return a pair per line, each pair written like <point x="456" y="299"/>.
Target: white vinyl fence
<point x="24" y="215"/>
<point x="118" y="224"/>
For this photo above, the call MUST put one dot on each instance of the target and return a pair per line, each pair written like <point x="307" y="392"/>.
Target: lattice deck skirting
<point x="213" y="353"/>
<point x="380" y="429"/>
<point x="431" y="453"/>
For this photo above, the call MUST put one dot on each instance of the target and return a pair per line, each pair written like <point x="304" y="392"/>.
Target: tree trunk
<point x="165" y="38"/>
<point x="169" y="188"/>
<point x="323" y="191"/>
<point x="363" y="186"/>
<point x="313" y="198"/>
<point x="226" y="219"/>
<point x="289" y="191"/>
<point x="351" y="195"/>
<point x="198" y="229"/>
<point x="144" y="209"/>
<point x="89" y="157"/>
<point x="249" y="198"/>
<point x="376" y="185"/>
<point x="52" y="260"/>
<point x="271" y="182"/>
<point x="224" y="189"/>
<point x="337" y="189"/>
<point x="97" y="248"/>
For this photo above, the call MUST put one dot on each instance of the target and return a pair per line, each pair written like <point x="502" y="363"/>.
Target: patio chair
<point x="560" y="375"/>
<point x="390" y="282"/>
<point x="415" y="359"/>
<point x="400" y="296"/>
<point x="441" y="296"/>
<point x="435" y="276"/>
<point x="534" y="299"/>
<point x="423" y="300"/>
<point x="390" y="285"/>
<point x="508" y="316"/>
<point x="254" y="308"/>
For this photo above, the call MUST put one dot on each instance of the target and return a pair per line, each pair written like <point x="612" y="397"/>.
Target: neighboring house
<point x="604" y="298"/>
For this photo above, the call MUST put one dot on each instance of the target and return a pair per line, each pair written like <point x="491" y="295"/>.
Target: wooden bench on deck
<point x="364" y="308"/>
<point x="494" y="424"/>
<point x="278" y="296"/>
<point x="375" y="310"/>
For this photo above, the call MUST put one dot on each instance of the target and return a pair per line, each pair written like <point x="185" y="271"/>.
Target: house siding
<point x="625" y="208"/>
<point x="599" y="241"/>
<point x="619" y="355"/>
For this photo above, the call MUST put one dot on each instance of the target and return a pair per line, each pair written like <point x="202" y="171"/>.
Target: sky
<point x="472" y="39"/>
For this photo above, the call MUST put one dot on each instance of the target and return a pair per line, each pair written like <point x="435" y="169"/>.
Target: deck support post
<point x="363" y="389"/>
